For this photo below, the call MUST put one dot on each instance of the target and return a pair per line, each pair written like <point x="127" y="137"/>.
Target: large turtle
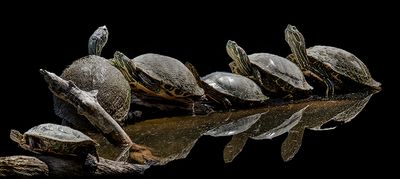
<point x="96" y="73"/>
<point x="277" y="75"/>
<point x="230" y="89"/>
<point x="154" y="75"/>
<point x="55" y="139"/>
<point x="330" y="65"/>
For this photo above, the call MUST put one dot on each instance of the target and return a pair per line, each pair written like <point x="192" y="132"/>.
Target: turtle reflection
<point x="172" y="138"/>
<point x="266" y="125"/>
<point x="342" y="110"/>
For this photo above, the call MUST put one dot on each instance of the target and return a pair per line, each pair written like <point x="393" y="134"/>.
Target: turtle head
<point x="293" y="37"/>
<point x="240" y="58"/>
<point x="16" y="136"/>
<point x="120" y="56"/>
<point x="235" y="51"/>
<point x="297" y="45"/>
<point x="125" y="66"/>
<point x="98" y="40"/>
<point x="135" y="76"/>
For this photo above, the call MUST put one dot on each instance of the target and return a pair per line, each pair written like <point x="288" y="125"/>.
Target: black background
<point x="51" y="36"/>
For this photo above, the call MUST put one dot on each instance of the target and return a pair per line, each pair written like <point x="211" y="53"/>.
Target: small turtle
<point x="55" y="139"/>
<point x="277" y="75"/>
<point x="159" y="76"/>
<point x="230" y="89"/>
<point x="96" y="73"/>
<point x="329" y="65"/>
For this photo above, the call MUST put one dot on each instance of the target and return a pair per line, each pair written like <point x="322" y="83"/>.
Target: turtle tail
<point x="240" y="59"/>
<point x="16" y="136"/>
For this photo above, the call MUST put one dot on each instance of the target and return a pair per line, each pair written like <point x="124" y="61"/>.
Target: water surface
<point x="173" y="138"/>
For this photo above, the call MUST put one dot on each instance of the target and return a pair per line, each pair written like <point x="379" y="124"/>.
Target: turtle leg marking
<point x="330" y="88"/>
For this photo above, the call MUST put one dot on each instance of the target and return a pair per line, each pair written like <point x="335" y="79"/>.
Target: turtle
<point x="277" y="75"/>
<point x="334" y="67"/>
<point x="55" y="139"/>
<point x="158" y="76"/>
<point x="230" y="89"/>
<point x="94" y="72"/>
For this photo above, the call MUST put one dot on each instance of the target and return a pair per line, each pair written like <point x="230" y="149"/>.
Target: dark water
<point x="366" y="142"/>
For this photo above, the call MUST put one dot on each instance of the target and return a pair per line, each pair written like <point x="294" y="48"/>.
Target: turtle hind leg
<point x="83" y="152"/>
<point x="93" y="151"/>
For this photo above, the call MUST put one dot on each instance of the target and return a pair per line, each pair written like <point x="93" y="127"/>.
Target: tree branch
<point x="87" y="105"/>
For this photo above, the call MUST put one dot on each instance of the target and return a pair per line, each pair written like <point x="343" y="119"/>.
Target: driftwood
<point x="61" y="166"/>
<point x="20" y="165"/>
<point x="87" y="105"/>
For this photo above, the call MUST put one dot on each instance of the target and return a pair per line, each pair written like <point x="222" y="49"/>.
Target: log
<point x="87" y="105"/>
<point x="20" y="165"/>
<point x="65" y="166"/>
<point x="68" y="166"/>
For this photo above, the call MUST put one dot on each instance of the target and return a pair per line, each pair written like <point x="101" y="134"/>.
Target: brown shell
<point x="58" y="139"/>
<point x="235" y="85"/>
<point x="169" y="71"/>
<point x="344" y="63"/>
<point x="96" y="73"/>
<point x="281" y="68"/>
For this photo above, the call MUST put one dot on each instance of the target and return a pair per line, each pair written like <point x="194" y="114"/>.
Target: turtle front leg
<point x="313" y="75"/>
<point x="233" y="67"/>
<point x="330" y="88"/>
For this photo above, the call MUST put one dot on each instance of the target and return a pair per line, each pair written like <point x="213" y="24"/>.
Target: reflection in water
<point x="282" y="128"/>
<point x="172" y="138"/>
<point x="235" y="127"/>
<point x="341" y="110"/>
<point x="269" y="124"/>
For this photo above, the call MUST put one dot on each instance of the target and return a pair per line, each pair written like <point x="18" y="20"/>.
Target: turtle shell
<point x="344" y="63"/>
<point x="96" y="73"/>
<point x="280" y="67"/>
<point x="58" y="139"/>
<point x="169" y="71"/>
<point x="235" y="85"/>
